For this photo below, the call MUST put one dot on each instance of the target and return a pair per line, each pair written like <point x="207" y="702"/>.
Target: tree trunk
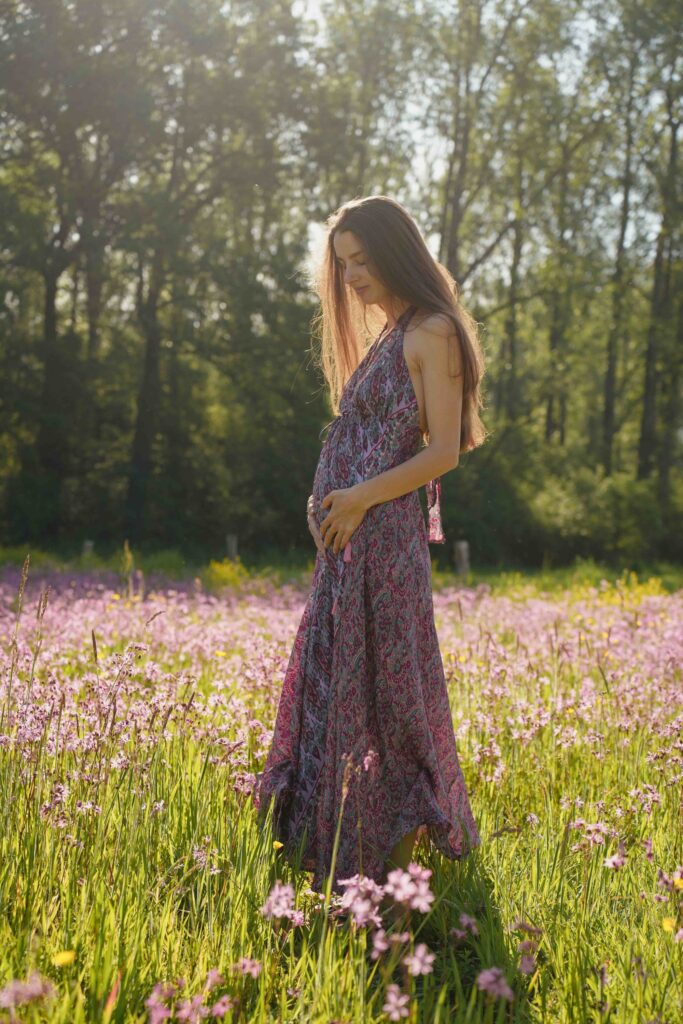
<point x="661" y="327"/>
<point x="510" y="368"/>
<point x="52" y="434"/>
<point x="94" y="278"/>
<point x="149" y="398"/>
<point x="559" y="315"/>
<point x="617" y="320"/>
<point x="647" y="444"/>
<point x="671" y="401"/>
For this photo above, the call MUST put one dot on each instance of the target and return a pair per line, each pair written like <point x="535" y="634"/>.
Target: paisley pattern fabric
<point x="363" y="737"/>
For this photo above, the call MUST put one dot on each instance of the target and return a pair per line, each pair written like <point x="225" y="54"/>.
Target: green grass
<point x="124" y="885"/>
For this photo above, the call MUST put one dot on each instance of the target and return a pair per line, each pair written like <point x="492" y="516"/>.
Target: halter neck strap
<point x="406" y="315"/>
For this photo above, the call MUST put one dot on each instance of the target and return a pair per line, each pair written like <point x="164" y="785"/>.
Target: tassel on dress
<point x="435" y="530"/>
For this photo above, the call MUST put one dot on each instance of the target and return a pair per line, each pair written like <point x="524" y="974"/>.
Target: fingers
<point x="316" y="534"/>
<point x="336" y="541"/>
<point x="332" y="535"/>
<point x="312" y="524"/>
<point x="330" y="538"/>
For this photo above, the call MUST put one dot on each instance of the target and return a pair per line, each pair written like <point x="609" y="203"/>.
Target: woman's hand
<point x="313" y="527"/>
<point x="347" y="511"/>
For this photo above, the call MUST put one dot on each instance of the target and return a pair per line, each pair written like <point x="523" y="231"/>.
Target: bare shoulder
<point x="430" y="338"/>
<point x="435" y="323"/>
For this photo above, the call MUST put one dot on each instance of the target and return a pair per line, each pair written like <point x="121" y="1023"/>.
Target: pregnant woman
<point x="363" y="736"/>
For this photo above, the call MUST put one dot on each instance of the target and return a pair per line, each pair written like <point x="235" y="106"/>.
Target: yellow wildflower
<point x="63" y="959"/>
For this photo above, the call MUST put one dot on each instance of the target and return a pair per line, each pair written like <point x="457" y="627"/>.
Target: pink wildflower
<point x="156" y="1002"/>
<point x="493" y="981"/>
<point x="617" y="860"/>
<point x="362" y="896"/>
<point x="158" y="1012"/>
<point x="222" y="1006"/>
<point x="192" y="1010"/>
<point x="379" y="943"/>
<point x="411" y="887"/>
<point x="396" y="1005"/>
<point x="527" y="946"/>
<point x="371" y="760"/>
<point x="664" y="880"/>
<point x="420" y="961"/>
<point x="19" y="993"/>
<point x="280" y="901"/>
<point x="469" y="923"/>
<point x="400" y="885"/>
<point x="213" y="978"/>
<point x="247" y="966"/>
<point x="527" y="964"/>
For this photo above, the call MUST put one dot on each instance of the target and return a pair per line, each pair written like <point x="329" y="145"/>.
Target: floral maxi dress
<point x="364" y="727"/>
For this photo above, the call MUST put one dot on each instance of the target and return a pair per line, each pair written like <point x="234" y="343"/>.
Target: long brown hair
<point x="399" y="258"/>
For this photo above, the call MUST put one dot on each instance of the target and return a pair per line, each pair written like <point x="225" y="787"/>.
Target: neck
<point x="394" y="312"/>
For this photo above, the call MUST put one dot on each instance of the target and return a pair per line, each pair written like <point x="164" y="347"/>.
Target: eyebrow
<point x="358" y="252"/>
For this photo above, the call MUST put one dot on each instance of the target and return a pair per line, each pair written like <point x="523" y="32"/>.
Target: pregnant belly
<point x="337" y="468"/>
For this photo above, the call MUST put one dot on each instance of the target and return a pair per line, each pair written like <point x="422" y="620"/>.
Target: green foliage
<point x="225" y="574"/>
<point x="39" y="559"/>
<point x="157" y="378"/>
<point x="615" y="517"/>
<point x="169" y="562"/>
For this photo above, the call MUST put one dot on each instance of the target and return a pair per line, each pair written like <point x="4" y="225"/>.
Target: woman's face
<point x="353" y="261"/>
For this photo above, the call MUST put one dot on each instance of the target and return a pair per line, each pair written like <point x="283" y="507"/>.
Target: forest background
<point x="165" y="172"/>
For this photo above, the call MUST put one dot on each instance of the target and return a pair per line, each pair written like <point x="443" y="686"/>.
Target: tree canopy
<point x="162" y="168"/>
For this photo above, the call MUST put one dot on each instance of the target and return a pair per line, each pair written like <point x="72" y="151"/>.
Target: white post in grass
<point x="462" y="557"/>
<point x="231" y="544"/>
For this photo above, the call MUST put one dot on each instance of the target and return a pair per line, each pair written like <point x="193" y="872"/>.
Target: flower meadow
<point x="135" y="881"/>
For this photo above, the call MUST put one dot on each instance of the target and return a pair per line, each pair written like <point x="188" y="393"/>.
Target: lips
<point x="359" y="290"/>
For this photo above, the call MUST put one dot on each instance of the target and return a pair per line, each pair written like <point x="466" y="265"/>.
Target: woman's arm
<point x="443" y="408"/>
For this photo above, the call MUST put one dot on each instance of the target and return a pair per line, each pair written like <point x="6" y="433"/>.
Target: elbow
<point x="448" y="459"/>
